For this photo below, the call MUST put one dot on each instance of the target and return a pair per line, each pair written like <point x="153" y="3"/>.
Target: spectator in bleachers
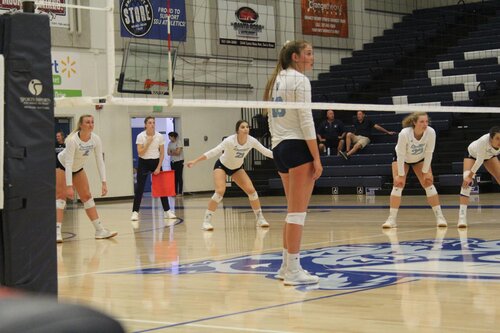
<point x="482" y="151"/>
<point x="362" y="134"/>
<point x="331" y="134"/>
<point x="414" y="149"/>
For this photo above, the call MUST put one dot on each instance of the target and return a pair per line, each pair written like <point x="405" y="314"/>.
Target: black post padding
<point x="27" y="231"/>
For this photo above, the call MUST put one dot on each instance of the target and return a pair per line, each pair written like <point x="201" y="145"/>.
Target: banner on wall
<point x="325" y="18"/>
<point x="58" y="14"/>
<point x="244" y="24"/>
<point x="66" y="74"/>
<point x="149" y="19"/>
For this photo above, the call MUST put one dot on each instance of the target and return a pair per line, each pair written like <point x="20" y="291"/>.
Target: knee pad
<point x="296" y="218"/>
<point x="466" y="174"/>
<point x="397" y="191"/>
<point x="254" y="196"/>
<point x="430" y="191"/>
<point x="60" y="204"/>
<point x="217" y="197"/>
<point x="89" y="203"/>
<point x="465" y="192"/>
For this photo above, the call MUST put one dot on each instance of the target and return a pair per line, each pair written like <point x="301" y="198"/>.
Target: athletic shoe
<point x="344" y="155"/>
<point x="59" y="238"/>
<point x="169" y="214"/>
<point x="281" y="273"/>
<point x="207" y="226"/>
<point x="135" y="224"/>
<point x="135" y="216"/>
<point x="105" y="234"/>
<point x="441" y="222"/>
<point x="261" y="222"/>
<point x="298" y="277"/>
<point x="462" y="222"/>
<point x="390" y="223"/>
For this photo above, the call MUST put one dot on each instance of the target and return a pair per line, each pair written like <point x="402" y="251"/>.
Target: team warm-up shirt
<point x="153" y="151"/>
<point x="234" y="153"/>
<point x="482" y="150"/>
<point x="290" y="124"/>
<point x="76" y="153"/>
<point x="411" y="150"/>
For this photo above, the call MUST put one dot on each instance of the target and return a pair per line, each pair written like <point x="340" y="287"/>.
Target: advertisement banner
<point x="58" y="14"/>
<point x="325" y="18"/>
<point x="66" y="74"/>
<point x="244" y="24"/>
<point x="149" y="19"/>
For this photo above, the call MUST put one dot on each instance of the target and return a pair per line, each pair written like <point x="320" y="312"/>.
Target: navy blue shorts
<point x="395" y="159"/>
<point x="229" y="172"/>
<point x="60" y="166"/>
<point x="289" y="154"/>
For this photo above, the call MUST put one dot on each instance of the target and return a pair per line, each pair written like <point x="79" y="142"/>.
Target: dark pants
<point x="144" y="168"/>
<point x="178" y="167"/>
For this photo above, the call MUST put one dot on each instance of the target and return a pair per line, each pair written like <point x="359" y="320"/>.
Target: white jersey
<point x="76" y="153"/>
<point x="153" y="151"/>
<point x="172" y="146"/>
<point x="482" y="150"/>
<point x="411" y="150"/>
<point x="289" y="124"/>
<point x="234" y="153"/>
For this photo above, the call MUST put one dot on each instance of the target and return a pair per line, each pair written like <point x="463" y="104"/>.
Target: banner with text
<point x="244" y="24"/>
<point x="325" y="18"/>
<point x="58" y="14"/>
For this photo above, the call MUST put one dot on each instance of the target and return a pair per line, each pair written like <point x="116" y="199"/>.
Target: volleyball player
<point x="295" y="151"/>
<point x="70" y="173"/>
<point x="414" y="149"/>
<point x="234" y="148"/>
<point x="482" y="151"/>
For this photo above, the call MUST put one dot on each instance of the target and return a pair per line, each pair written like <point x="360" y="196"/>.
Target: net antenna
<point x="169" y="45"/>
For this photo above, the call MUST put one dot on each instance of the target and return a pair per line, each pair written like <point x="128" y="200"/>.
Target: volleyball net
<point x="373" y="55"/>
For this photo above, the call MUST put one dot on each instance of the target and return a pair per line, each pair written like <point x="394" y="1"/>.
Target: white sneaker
<point x="207" y="226"/>
<point x="300" y="276"/>
<point x="135" y="216"/>
<point x="390" y="223"/>
<point x="281" y="273"/>
<point x="59" y="238"/>
<point x="169" y="214"/>
<point x="441" y="222"/>
<point x="104" y="234"/>
<point x="462" y="222"/>
<point x="261" y="222"/>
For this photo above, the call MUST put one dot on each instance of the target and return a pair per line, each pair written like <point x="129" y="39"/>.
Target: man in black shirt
<point x="331" y="134"/>
<point x="362" y="134"/>
<point x="60" y="145"/>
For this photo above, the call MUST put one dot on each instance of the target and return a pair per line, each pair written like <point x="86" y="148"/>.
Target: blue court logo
<point x="361" y="266"/>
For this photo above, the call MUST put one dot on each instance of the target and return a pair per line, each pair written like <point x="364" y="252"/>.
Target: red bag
<point x="163" y="184"/>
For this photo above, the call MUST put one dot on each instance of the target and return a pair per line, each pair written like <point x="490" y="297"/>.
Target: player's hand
<point x="467" y="181"/>
<point x="398" y="181"/>
<point x="428" y="179"/>
<point x="104" y="190"/>
<point x="157" y="171"/>
<point x="318" y="169"/>
<point x="190" y="164"/>
<point x="69" y="192"/>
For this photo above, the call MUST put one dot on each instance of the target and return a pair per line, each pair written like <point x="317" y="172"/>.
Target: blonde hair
<point x="79" y="125"/>
<point x="284" y="61"/>
<point x="411" y="119"/>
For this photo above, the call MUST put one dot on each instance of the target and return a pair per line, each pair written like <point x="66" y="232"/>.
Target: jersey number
<point x="239" y="154"/>
<point x="278" y="112"/>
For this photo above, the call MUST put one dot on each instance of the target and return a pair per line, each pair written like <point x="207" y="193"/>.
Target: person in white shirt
<point x="150" y="148"/>
<point x="484" y="150"/>
<point x="175" y="151"/>
<point x="415" y="147"/>
<point x="70" y="173"/>
<point x="295" y="151"/>
<point x="234" y="148"/>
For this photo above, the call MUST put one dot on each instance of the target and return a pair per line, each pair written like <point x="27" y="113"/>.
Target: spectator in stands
<point x="60" y="145"/>
<point x="331" y="134"/>
<point x="295" y="151"/>
<point x="175" y="151"/>
<point x="484" y="150"/>
<point x="415" y="147"/>
<point x="362" y="134"/>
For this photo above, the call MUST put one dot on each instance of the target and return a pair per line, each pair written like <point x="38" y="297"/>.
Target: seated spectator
<point x="331" y="134"/>
<point x="362" y="134"/>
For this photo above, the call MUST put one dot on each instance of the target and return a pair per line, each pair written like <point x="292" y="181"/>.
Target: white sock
<point x="293" y="261"/>
<point x="97" y="225"/>
<point x="393" y="212"/>
<point x="463" y="211"/>
<point x="258" y="213"/>
<point x="285" y="258"/>
<point x="58" y="226"/>
<point x="208" y="215"/>
<point x="437" y="211"/>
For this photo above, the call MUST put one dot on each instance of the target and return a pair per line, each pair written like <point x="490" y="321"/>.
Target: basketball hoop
<point x="155" y="87"/>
